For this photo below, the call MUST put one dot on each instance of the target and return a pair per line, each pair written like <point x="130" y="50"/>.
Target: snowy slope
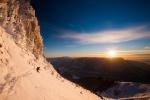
<point x="19" y="79"/>
<point x="128" y="90"/>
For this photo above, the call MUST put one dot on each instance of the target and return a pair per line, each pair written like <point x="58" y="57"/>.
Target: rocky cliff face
<point x="20" y="46"/>
<point x="20" y="80"/>
<point x="18" y="18"/>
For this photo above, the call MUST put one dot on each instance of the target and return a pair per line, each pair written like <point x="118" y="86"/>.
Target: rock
<point x="18" y="18"/>
<point x="22" y="42"/>
<point x="0" y="45"/>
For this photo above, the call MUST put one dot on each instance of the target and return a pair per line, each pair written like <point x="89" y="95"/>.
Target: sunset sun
<point x="111" y="53"/>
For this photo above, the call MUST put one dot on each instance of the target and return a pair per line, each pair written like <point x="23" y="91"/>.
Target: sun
<point x="112" y="53"/>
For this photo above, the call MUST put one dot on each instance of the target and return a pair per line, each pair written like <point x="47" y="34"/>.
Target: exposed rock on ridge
<point x="19" y="79"/>
<point x="18" y="18"/>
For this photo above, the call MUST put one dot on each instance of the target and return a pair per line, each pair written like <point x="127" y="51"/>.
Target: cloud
<point x="109" y="36"/>
<point x="147" y="47"/>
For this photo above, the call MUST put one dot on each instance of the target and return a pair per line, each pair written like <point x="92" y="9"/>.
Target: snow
<point x="126" y="90"/>
<point x="19" y="79"/>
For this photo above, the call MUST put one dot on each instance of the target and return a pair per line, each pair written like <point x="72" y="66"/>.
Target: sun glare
<point x="111" y="53"/>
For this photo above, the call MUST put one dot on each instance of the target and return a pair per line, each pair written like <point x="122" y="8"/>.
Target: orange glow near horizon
<point x="111" y="53"/>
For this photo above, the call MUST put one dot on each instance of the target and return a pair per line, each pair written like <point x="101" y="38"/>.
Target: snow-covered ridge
<point x="22" y="75"/>
<point x="128" y="90"/>
<point x="19" y="79"/>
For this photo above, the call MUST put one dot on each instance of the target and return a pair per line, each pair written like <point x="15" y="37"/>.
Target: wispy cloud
<point x="109" y="36"/>
<point x="147" y="47"/>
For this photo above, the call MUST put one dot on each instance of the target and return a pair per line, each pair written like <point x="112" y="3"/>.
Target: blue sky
<point x="74" y="27"/>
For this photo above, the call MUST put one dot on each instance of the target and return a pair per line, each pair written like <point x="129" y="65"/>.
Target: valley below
<point x="114" y="78"/>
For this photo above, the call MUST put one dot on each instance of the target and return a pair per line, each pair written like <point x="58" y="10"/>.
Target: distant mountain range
<point x="116" y="69"/>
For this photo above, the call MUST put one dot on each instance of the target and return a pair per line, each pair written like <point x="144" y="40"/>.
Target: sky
<point x="93" y="27"/>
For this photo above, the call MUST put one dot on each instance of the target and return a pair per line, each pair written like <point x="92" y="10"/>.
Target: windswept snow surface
<point x="128" y="91"/>
<point x="19" y="79"/>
